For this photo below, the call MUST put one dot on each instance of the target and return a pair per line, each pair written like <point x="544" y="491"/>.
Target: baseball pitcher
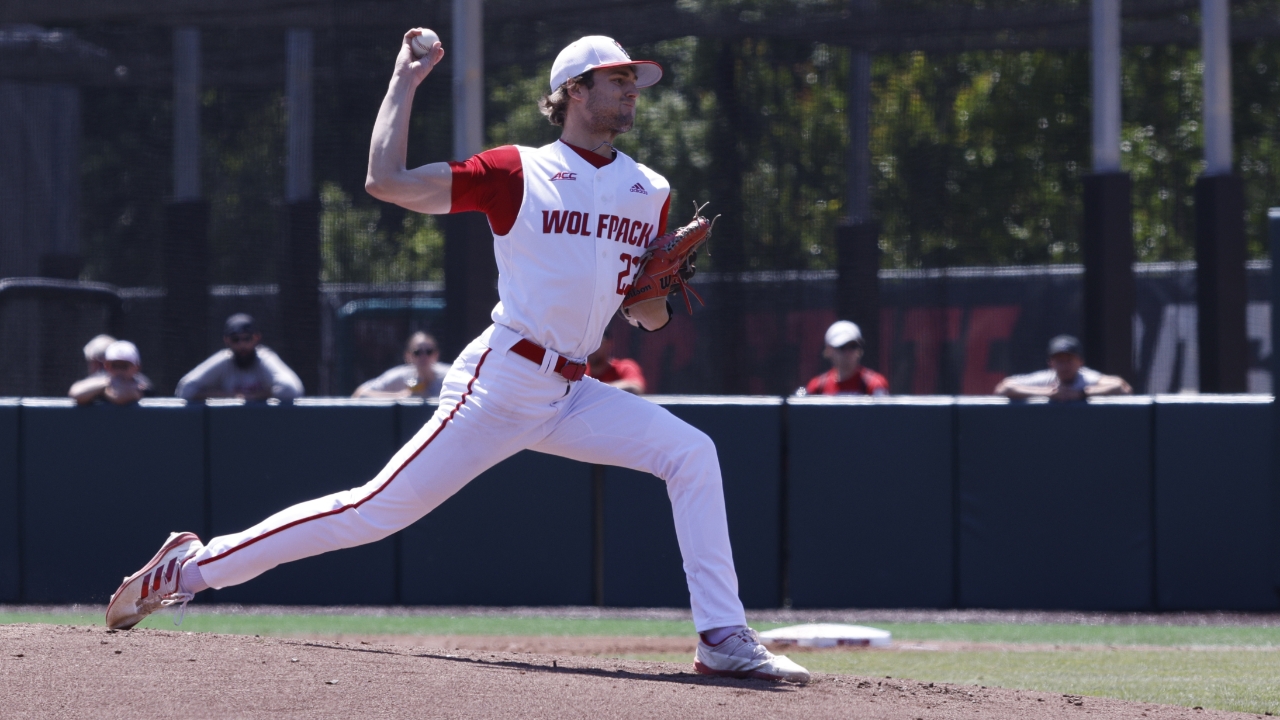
<point x="579" y="232"/>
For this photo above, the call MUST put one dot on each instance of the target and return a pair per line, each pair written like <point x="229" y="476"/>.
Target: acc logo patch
<point x="564" y="176"/>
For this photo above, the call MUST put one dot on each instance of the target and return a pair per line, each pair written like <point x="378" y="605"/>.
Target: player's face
<point x="1066" y="365"/>
<point x="611" y="102"/>
<point x="122" y="369"/>
<point x="844" y="359"/>
<point x="423" y="354"/>
<point x="243" y="344"/>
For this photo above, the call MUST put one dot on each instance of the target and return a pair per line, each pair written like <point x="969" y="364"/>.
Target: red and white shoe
<point x="742" y="656"/>
<point x="155" y="585"/>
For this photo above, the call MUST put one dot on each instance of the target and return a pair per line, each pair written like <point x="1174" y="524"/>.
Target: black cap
<point x="239" y="323"/>
<point x="1065" y="344"/>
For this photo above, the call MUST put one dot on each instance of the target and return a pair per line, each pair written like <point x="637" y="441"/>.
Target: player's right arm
<point x="425" y="189"/>
<point x="87" y="390"/>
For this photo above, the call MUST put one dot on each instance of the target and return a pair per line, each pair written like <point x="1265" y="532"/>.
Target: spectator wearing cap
<point x="847" y="376"/>
<point x="119" y="382"/>
<point x="245" y="369"/>
<point x="95" y="354"/>
<point x="95" y="365"/>
<point x="1066" y="379"/>
<point x="622" y="373"/>
<point x="421" y="375"/>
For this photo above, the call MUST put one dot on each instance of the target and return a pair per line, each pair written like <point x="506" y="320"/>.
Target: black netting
<point x="977" y="162"/>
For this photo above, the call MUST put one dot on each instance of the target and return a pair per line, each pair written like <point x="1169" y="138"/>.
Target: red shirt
<point x="492" y="182"/>
<point x="864" y="382"/>
<point x="621" y="369"/>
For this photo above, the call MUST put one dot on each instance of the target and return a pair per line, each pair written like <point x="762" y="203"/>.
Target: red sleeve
<point x="491" y="182"/>
<point x="662" y="216"/>
<point x="629" y="370"/>
<point x="874" y="381"/>
<point x="815" y="385"/>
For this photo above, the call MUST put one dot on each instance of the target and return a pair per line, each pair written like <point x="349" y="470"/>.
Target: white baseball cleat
<point x="742" y="656"/>
<point x="155" y="585"/>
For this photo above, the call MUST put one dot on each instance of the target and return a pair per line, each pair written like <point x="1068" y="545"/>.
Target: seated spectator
<point x="245" y="369"/>
<point x="95" y="365"/>
<point x="847" y="375"/>
<point x="95" y="352"/>
<point x="421" y="375"/>
<point x="1066" y="379"/>
<point x="120" y="383"/>
<point x="621" y="373"/>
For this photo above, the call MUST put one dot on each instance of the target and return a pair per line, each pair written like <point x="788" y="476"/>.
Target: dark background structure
<point x="977" y="155"/>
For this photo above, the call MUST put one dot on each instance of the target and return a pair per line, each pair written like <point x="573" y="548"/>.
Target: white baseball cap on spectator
<point x="843" y="332"/>
<point x="123" y="350"/>
<point x="594" y="52"/>
<point x="94" y="349"/>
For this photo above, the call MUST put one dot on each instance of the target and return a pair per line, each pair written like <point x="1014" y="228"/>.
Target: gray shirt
<point x="405" y="377"/>
<point x="221" y="374"/>
<point x="1048" y="378"/>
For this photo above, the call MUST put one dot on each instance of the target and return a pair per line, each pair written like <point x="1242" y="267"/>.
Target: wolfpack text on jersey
<point x="576" y="221"/>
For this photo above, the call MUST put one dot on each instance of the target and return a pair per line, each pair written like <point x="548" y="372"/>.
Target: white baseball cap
<point x="597" y="51"/>
<point x="843" y="332"/>
<point x="123" y="350"/>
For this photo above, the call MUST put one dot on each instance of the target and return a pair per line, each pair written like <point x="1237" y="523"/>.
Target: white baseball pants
<point x="493" y="405"/>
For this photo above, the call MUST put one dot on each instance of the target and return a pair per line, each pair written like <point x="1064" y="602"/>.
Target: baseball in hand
<point x="422" y="44"/>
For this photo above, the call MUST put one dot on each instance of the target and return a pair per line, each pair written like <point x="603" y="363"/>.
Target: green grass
<point x="1087" y="634"/>
<point x="1245" y="677"/>
<point x="200" y="620"/>
<point x="1241" y="680"/>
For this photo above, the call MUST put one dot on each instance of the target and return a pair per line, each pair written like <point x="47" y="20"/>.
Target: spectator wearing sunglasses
<point x="245" y="369"/>
<point x="847" y="376"/>
<point x="421" y="375"/>
<point x="119" y="382"/>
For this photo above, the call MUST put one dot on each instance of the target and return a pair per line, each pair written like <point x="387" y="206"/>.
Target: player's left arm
<point x="1108" y="385"/>
<point x="284" y="382"/>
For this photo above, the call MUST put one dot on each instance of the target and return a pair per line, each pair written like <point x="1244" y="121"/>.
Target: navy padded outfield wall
<point x="1119" y="504"/>
<point x="1213" y="504"/>
<point x="519" y="534"/>
<point x="10" y="586"/>
<point x="870" y="502"/>
<point x="1055" y="505"/>
<point x="642" y="564"/>
<point x="262" y="459"/>
<point x="113" y="480"/>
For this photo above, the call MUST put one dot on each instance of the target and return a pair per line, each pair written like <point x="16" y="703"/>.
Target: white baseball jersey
<point x="566" y="264"/>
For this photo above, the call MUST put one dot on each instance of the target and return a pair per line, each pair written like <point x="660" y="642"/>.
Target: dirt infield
<point x="66" y="672"/>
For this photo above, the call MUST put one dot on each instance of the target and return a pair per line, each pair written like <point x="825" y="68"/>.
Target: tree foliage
<point x="977" y="157"/>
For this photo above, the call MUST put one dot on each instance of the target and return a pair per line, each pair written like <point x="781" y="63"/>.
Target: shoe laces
<point x="751" y="644"/>
<point x="157" y="602"/>
<point x="174" y="599"/>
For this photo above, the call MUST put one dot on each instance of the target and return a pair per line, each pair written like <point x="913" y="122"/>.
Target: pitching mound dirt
<point x="64" y="671"/>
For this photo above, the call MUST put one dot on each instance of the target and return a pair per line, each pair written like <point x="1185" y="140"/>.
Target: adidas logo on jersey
<point x="639" y="188"/>
<point x="564" y="176"/>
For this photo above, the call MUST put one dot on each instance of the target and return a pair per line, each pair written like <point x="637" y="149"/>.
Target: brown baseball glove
<point x="666" y="266"/>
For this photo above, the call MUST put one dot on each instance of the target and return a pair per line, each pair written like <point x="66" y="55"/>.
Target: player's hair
<point x="555" y="105"/>
<point x="418" y="337"/>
